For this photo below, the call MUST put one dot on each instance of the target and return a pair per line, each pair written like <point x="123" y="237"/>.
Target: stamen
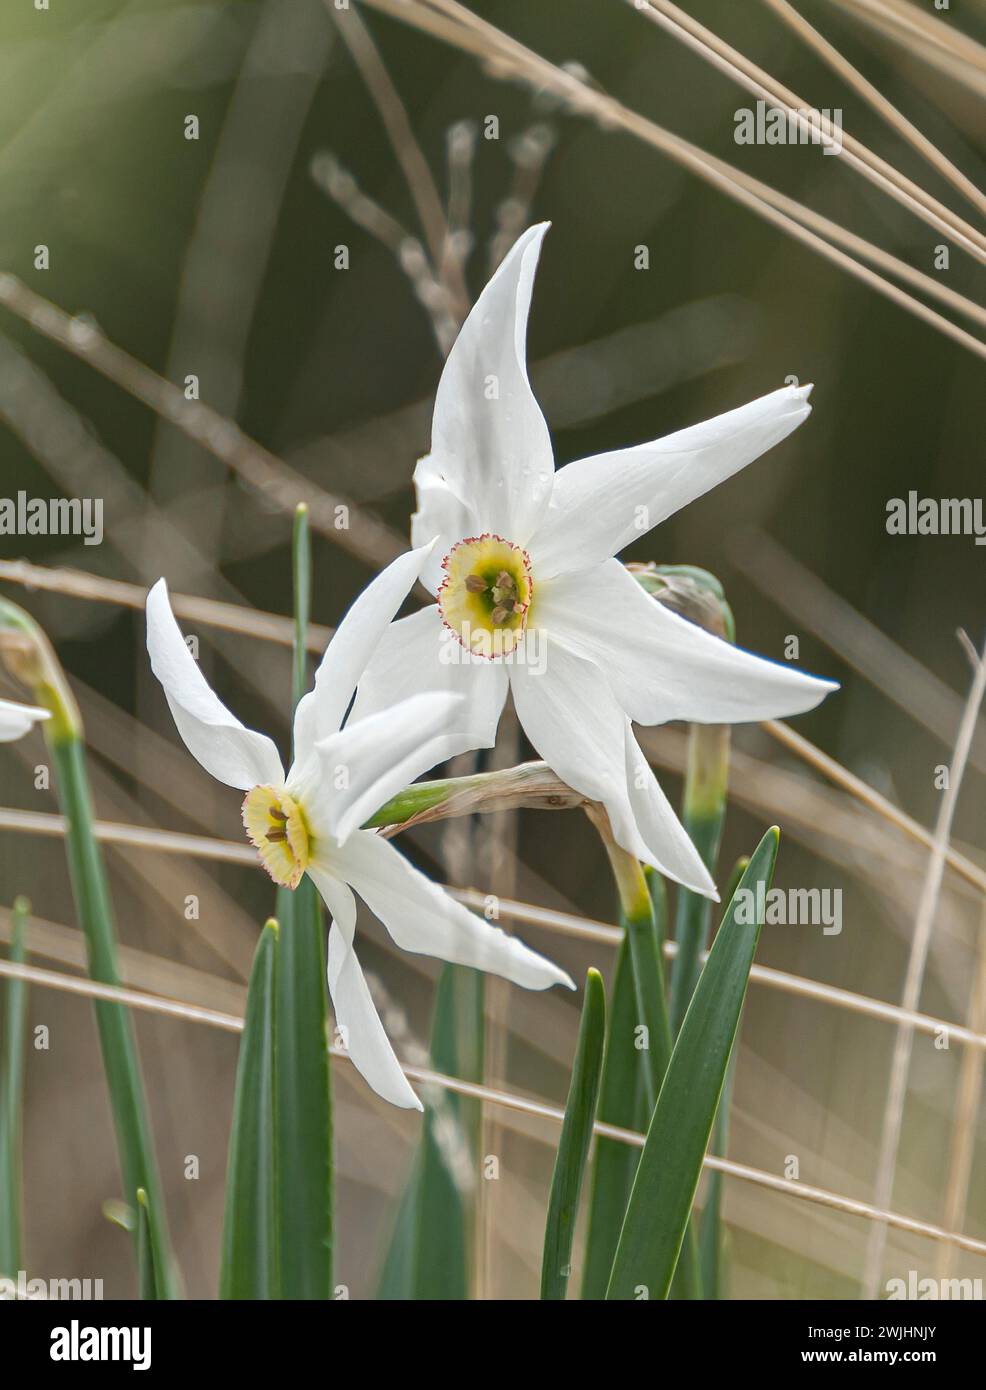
<point x="276" y="826"/>
<point x="486" y="594"/>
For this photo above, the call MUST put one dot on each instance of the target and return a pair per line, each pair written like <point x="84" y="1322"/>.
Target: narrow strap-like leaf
<point x="573" y="1147"/>
<point x="671" y="1163"/>
<point x="11" y="1099"/>
<point x="428" y="1253"/>
<point x="303" y="1135"/>
<point x="621" y="1104"/>
<point x="249" y="1264"/>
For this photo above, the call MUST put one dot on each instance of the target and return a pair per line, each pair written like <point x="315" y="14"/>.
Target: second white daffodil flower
<point x="308" y="820"/>
<point x="529" y="594"/>
<point x="16" y="720"/>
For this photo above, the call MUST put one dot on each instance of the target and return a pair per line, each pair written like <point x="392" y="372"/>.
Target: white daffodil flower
<point x="16" y="720"/>
<point x="308" y="821"/>
<point x="529" y="595"/>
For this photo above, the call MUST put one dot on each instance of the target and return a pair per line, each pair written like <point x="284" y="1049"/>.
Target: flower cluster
<point x="514" y="553"/>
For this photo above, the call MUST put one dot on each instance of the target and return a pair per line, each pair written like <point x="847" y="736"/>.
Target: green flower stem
<point x="698" y="596"/>
<point x="303" y="1129"/>
<point x="11" y="1100"/>
<point x="639" y="922"/>
<point x="706" y="783"/>
<point x="30" y="656"/>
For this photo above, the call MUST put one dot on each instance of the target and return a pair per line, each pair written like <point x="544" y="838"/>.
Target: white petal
<point x="659" y="825"/>
<point x="375" y="758"/>
<point x="356" y="1014"/>
<point x="659" y="665"/>
<point x="418" y="654"/>
<point x="489" y="439"/>
<point x="321" y="711"/>
<point x="600" y="504"/>
<point x="421" y="917"/>
<point x="573" y="720"/>
<point x="16" y="720"/>
<point x="442" y="516"/>
<point x="234" y="754"/>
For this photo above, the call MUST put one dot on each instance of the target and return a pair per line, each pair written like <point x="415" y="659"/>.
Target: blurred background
<point x="276" y="257"/>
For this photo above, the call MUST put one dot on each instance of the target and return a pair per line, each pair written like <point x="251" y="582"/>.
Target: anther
<point x="277" y="814"/>
<point x="476" y="584"/>
<point x="275" y="835"/>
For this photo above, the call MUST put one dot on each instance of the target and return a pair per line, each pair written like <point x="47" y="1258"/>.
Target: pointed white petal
<point x="356" y="1014"/>
<point x="321" y="711"/>
<point x="660" y="827"/>
<point x="417" y="654"/>
<point x="16" y="720"/>
<point x="421" y="917"/>
<point x="659" y="665"/>
<point x="574" y="721"/>
<point x="489" y="439"/>
<point x="600" y="504"/>
<point x="234" y="754"/>
<point x="442" y="516"/>
<point x="371" y="760"/>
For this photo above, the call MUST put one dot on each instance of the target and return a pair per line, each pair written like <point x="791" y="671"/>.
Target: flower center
<point x="486" y="594"/>
<point x="276" y="827"/>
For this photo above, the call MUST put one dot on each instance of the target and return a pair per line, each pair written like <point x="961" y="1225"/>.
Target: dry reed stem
<point x="233" y="1023"/>
<point x="917" y="961"/>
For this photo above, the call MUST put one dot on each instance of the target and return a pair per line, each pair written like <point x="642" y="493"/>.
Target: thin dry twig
<point x="968" y="1094"/>
<point x="549" y="919"/>
<point x="233" y="1023"/>
<point x="917" y="961"/>
<point x="407" y="151"/>
<point x="505" y="57"/>
<point x="760" y="83"/>
<point x="333" y="516"/>
<point x="863" y="87"/>
<point x="229" y="617"/>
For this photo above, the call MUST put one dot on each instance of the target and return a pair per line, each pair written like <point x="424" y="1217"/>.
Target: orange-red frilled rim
<point x="276" y="827"/>
<point x="486" y="594"/>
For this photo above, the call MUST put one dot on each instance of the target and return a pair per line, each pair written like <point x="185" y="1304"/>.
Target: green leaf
<point x="11" y="1099"/>
<point x="621" y="1104"/>
<point x="303" y="1135"/>
<point x="703" y="814"/>
<point x="711" y="1238"/>
<point x="116" y="1033"/>
<point x="249" y="1264"/>
<point x="428" y="1254"/>
<point x="671" y="1163"/>
<point x="573" y="1147"/>
<point x="38" y="667"/>
<point x="146" y="1277"/>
